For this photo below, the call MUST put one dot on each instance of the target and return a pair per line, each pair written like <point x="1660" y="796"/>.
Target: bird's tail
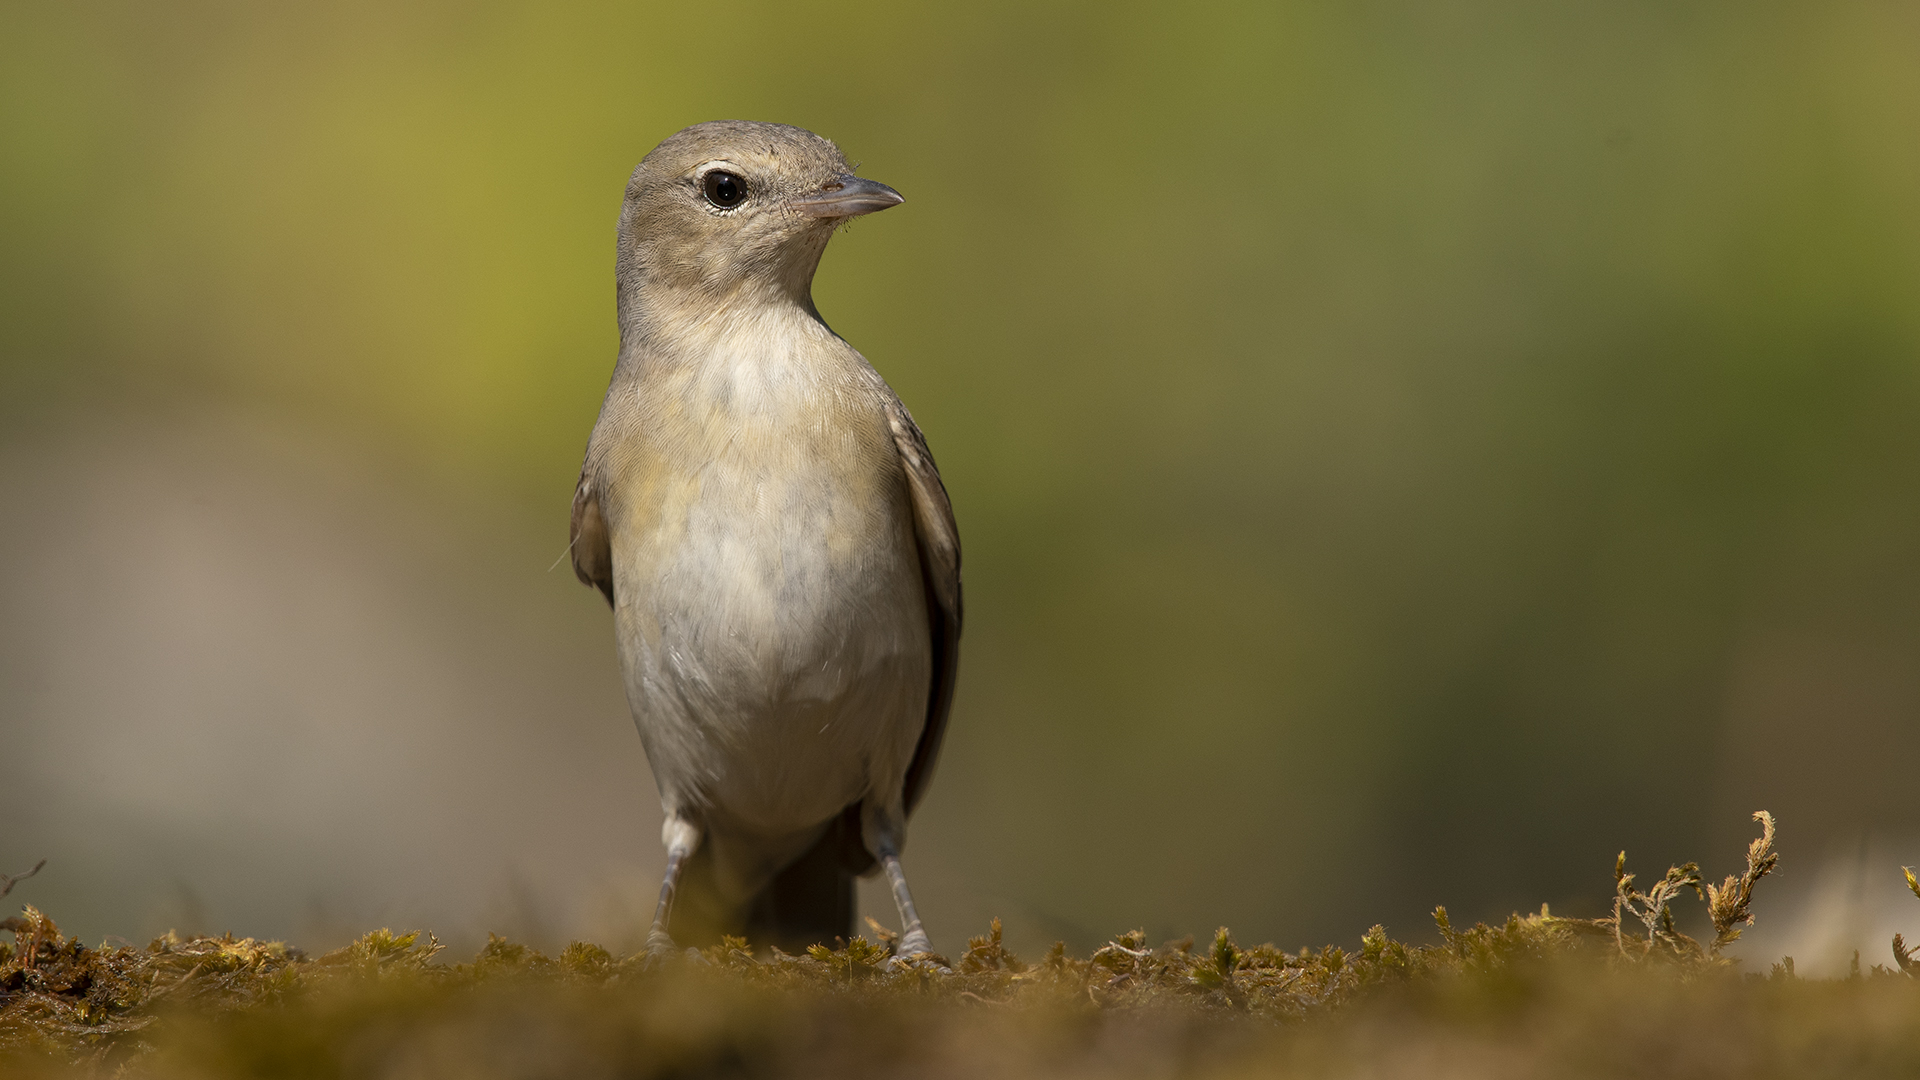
<point x="808" y="903"/>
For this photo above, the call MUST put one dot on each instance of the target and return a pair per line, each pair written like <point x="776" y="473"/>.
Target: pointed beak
<point x="845" y="197"/>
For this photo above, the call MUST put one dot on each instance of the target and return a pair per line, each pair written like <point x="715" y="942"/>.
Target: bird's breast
<point x="766" y="497"/>
<point x="770" y="607"/>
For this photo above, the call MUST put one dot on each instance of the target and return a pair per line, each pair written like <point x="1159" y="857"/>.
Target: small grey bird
<point x="779" y="551"/>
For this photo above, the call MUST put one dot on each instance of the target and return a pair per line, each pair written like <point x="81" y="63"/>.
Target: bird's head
<point x="736" y="210"/>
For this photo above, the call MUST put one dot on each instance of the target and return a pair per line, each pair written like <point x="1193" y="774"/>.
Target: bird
<point x="780" y="553"/>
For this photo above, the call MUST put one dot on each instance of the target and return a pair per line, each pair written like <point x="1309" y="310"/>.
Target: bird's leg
<point x="658" y="940"/>
<point x="913" y="937"/>
<point x="682" y="837"/>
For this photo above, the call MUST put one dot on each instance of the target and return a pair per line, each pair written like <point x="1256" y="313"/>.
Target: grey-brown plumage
<point x="781" y="557"/>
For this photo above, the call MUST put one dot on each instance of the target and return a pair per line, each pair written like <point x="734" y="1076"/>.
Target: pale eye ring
<point x="723" y="189"/>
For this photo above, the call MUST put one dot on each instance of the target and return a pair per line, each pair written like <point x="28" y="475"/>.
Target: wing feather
<point x="938" y="539"/>
<point x="592" y="553"/>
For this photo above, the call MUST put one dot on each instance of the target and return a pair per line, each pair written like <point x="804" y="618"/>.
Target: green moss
<point x="1628" y="994"/>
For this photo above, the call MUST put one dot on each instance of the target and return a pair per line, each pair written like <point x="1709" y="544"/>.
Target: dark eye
<point x="725" y="190"/>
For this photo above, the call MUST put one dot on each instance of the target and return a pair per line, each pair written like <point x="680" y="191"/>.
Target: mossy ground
<point x="1538" y="995"/>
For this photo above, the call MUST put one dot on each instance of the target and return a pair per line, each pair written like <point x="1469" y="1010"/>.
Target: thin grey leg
<point x="913" y="940"/>
<point x="659" y="941"/>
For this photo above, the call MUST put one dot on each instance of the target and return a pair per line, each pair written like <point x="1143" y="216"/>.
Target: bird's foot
<point x="913" y="943"/>
<point x="915" y="951"/>
<point x="926" y="963"/>
<point x="661" y="948"/>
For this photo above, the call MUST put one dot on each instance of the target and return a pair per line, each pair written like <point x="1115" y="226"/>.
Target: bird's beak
<point x="845" y="197"/>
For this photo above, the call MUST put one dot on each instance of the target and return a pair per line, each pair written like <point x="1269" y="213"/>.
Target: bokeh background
<point x="1405" y="452"/>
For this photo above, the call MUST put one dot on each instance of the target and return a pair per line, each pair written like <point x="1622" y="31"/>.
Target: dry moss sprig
<point x="989" y="953"/>
<point x="1654" y="909"/>
<point x="8" y="881"/>
<point x="1903" y="956"/>
<point x="1727" y="903"/>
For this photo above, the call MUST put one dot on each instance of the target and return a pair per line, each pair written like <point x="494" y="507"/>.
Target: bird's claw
<point x="915" y="950"/>
<point x="661" y="949"/>
<point x="924" y="961"/>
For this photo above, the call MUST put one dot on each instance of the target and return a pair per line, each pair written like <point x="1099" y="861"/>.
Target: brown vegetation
<point x="1628" y="994"/>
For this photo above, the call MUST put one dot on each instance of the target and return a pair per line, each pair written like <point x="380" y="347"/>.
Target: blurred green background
<point x="1405" y="452"/>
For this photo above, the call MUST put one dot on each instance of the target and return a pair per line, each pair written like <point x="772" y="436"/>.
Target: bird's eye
<point x="724" y="189"/>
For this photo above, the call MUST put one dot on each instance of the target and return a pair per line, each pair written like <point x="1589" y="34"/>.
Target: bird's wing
<point x="592" y="554"/>
<point x="939" y="542"/>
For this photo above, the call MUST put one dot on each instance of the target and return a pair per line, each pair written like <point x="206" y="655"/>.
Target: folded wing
<point x="592" y="553"/>
<point x="939" y="542"/>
